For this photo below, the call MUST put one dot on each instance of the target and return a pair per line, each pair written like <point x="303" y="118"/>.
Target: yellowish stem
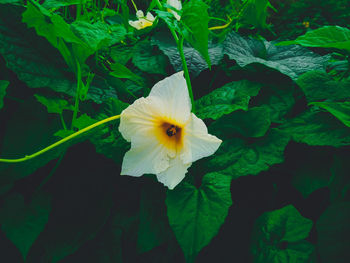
<point x="28" y="157"/>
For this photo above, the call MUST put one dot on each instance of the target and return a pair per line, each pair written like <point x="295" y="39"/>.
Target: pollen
<point x="169" y="134"/>
<point x="172" y="130"/>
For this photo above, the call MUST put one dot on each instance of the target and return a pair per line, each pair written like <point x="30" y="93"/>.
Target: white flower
<point x="165" y="136"/>
<point x="142" y="21"/>
<point x="177" y="5"/>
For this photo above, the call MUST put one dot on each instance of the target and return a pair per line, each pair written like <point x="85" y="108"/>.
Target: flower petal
<point x="172" y="176"/>
<point x="198" y="143"/>
<point x="138" y="119"/>
<point x="136" y="24"/>
<point x="150" y="17"/>
<point x="175" y="102"/>
<point x="139" y="14"/>
<point x="145" y="156"/>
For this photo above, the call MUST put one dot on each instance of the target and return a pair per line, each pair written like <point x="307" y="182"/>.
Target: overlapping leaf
<point x="290" y="60"/>
<point x="279" y="236"/>
<point x="325" y="37"/>
<point x="196" y="215"/>
<point x="317" y="128"/>
<point x="238" y="157"/>
<point x="231" y="97"/>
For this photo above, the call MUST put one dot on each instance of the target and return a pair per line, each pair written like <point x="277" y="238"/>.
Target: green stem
<point x="186" y="73"/>
<point x="77" y="95"/>
<point x="63" y="122"/>
<point x="134" y="5"/>
<point x="180" y="43"/>
<point x="28" y="157"/>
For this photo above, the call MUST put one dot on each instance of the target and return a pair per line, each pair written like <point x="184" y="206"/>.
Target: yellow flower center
<point x="169" y="134"/>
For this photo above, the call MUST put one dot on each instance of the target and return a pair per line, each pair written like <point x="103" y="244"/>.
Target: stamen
<point x="172" y="130"/>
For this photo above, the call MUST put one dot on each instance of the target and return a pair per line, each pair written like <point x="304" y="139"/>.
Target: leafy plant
<point x="277" y="188"/>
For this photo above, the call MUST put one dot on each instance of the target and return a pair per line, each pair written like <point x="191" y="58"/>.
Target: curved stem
<point x="28" y="157"/>
<point x="186" y="73"/>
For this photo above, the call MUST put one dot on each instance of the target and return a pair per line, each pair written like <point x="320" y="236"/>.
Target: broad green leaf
<point x="195" y="215"/>
<point x="63" y="133"/>
<point x="277" y="99"/>
<point x="195" y="62"/>
<point x="121" y="54"/>
<point x="80" y="208"/>
<point x="231" y="97"/>
<point x="325" y="37"/>
<point x="3" y="87"/>
<point x="333" y="233"/>
<point x="22" y="222"/>
<point x="340" y="110"/>
<point x="254" y="13"/>
<point x="290" y="60"/>
<point x="318" y="85"/>
<point x="239" y="157"/>
<point x="149" y="59"/>
<point x="106" y="138"/>
<point x="153" y="227"/>
<point x="99" y="34"/>
<point x="196" y="18"/>
<point x="122" y="72"/>
<point x="311" y="169"/>
<point x="54" y="105"/>
<point x="10" y="1"/>
<point x="318" y="129"/>
<point x="37" y="63"/>
<point x="49" y="4"/>
<point x="252" y="123"/>
<point x="55" y="30"/>
<point x="29" y="130"/>
<point x="279" y="236"/>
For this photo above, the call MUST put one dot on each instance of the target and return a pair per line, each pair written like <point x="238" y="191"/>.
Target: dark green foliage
<point x="279" y="236"/>
<point x="274" y="88"/>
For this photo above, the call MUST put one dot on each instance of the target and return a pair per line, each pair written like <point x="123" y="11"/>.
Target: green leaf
<point x="325" y="37"/>
<point x="80" y="208"/>
<point x="22" y="222"/>
<point x="278" y="236"/>
<point x="153" y="228"/>
<point x="254" y="13"/>
<point x="340" y="110"/>
<point x="317" y="129"/>
<point x="290" y="60"/>
<point x="312" y="170"/>
<point x="99" y="34"/>
<point x="122" y="72"/>
<point x="231" y="97"/>
<point x="3" y="86"/>
<point x="49" y="4"/>
<point x="195" y="215"/>
<point x="149" y="59"/>
<point x="54" y="105"/>
<point x="195" y="17"/>
<point x="29" y="130"/>
<point x="333" y="232"/>
<point x="252" y="123"/>
<point x="10" y="1"/>
<point x="37" y="63"/>
<point x="121" y="54"/>
<point x="195" y="62"/>
<point x="318" y="85"/>
<point x="277" y="99"/>
<point x="239" y="157"/>
<point x="55" y="30"/>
